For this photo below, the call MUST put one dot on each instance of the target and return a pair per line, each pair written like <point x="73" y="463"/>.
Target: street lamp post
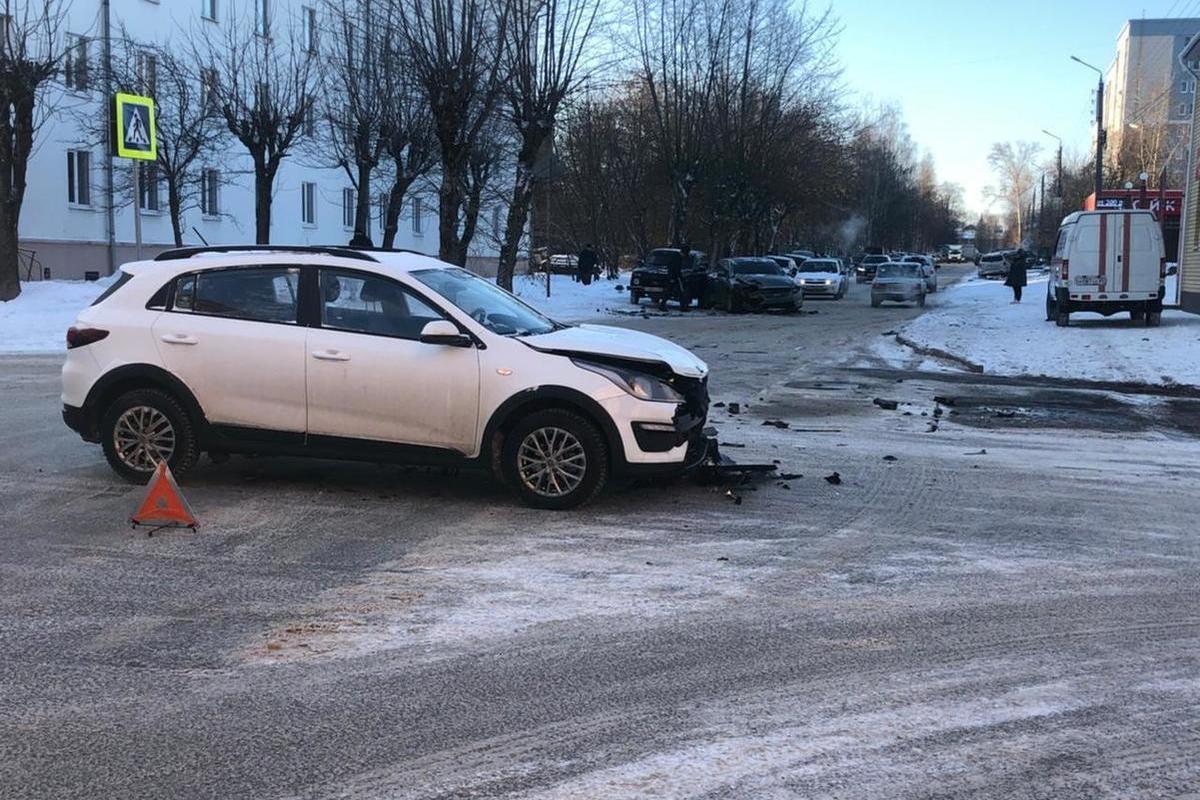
<point x="1057" y="180"/>
<point x="1099" y="124"/>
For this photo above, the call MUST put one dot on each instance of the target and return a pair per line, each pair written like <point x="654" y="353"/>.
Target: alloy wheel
<point x="551" y="462"/>
<point x="142" y="437"/>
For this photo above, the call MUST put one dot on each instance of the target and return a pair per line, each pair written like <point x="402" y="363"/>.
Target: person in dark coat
<point x="587" y="264"/>
<point x="1016" y="274"/>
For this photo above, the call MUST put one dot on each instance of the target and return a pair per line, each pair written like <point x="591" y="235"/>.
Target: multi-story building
<point x="1148" y="99"/>
<point x="64" y="221"/>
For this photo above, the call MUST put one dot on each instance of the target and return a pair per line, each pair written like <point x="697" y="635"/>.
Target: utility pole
<point x="1058" y="179"/>
<point x="1100" y="137"/>
<point x="110" y="147"/>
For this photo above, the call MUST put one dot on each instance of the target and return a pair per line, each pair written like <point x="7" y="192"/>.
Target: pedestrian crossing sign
<point x="135" y="127"/>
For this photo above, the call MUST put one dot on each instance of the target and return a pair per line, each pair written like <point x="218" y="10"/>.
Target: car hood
<point x="818" y="276"/>
<point x="765" y="281"/>
<point x="603" y="340"/>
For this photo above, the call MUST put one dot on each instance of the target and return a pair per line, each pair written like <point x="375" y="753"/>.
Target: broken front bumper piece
<point x="707" y="464"/>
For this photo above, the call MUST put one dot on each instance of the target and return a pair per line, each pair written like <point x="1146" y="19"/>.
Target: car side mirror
<point x="444" y="332"/>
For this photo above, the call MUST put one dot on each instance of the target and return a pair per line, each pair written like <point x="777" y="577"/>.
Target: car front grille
<point x="693" y="411"/>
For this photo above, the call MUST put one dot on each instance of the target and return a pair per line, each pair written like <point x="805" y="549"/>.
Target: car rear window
<point x="897" y="270"/>
<point x="121" y="280"/>
<point x="663" y="258"/>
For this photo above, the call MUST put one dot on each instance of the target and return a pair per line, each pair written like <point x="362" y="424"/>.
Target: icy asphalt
<point x="953" y="623"/>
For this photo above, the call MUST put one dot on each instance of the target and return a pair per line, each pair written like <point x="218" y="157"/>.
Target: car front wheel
<point x="556" y="459"/>
<point x="143" y="427"/>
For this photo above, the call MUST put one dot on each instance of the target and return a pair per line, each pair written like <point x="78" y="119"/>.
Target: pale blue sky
<point x="974" y="72"/>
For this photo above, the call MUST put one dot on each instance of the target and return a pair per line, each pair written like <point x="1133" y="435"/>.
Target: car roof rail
<point x="327" y="250"/>
<point x="391" y="250"/>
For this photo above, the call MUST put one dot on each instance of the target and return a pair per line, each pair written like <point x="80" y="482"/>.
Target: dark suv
<point x="652" y="277"/>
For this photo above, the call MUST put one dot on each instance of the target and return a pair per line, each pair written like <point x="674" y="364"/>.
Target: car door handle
<point x="331" y="355"/>
<point x="179" y="338"/>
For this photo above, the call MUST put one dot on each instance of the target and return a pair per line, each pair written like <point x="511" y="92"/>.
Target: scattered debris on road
<point x="734" y="408"/>
<point x="890" y="458"/>
<point x="982" y="452"/>
<point x="886" y="405"/>
<point x="778" y="423"/>
<point x="834" y="479"/>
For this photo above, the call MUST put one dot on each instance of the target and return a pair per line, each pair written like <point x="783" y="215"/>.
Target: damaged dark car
<point x="752" y="284"/>
<point x="667" y="273"/>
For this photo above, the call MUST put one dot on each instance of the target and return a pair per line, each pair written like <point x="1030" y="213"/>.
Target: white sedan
<point x="822" y="277"/>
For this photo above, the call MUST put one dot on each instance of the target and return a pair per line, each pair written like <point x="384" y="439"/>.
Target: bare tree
<point x="32" y="48"/>
<point x="546" y="40"/>
<point x="679" y="45"/>
<point x="263" y="79"/>
<point x="407" y="133"/>
<point x="354" y="103"/>
<point x="1014" y="164"/>
<point x="455" y="52"/>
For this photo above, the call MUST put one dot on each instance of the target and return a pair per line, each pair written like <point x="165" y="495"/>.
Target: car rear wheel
<point x="1051" y="312"/>
<point x="143" y="427"/>
<point x="1153" y="319"/>
<point x="555" y="459"/>
<point x="1062" y="318"/>
<point x="635" y="297"/>
<point x="875" y="302"/>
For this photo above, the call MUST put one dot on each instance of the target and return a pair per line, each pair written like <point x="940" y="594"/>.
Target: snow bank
<point x="37" y="321"/>
<point x="570" y="301"/>
<point x="976" y="320"/>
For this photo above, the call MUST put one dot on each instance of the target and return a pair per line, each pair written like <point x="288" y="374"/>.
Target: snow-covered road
<point x="977" y="321"/>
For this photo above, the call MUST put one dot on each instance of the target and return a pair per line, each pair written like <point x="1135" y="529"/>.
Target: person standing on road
<point x="1017" y="275"/>
<point x="587" y="264"/>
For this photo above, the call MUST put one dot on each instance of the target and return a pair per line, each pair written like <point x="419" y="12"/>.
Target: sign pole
<point x="137" y="208"/>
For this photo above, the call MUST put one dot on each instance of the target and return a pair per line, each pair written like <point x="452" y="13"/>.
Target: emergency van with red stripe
<point x="1108" y="262"/>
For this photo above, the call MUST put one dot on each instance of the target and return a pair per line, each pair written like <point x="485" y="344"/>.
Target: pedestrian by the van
<point x="587" y="264"/>
<point x="1017" y="268"/>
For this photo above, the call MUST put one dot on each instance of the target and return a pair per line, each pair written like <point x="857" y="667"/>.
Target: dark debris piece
<point x="735" y="408"/>
<point x="834" y="479"/>
<point x="778" y="423"/>
<point x="718" y="405"/>
<point x="789" y="476"/>
<point x="946" y="401"/>
<point x="887" y="405"/>
<point x="890" y="458"/>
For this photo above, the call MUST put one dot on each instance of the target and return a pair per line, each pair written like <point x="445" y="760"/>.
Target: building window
<point x="147" y="72"/>
<point x="349" y="197"/>
<point x="210" y="200"/>
<point x="1183" y="109"/>
<point x="308" y="203"/>
<point x="147" y="186"/>
<point x="75" y="65"/>
<point x="208" y="9"/>
<point x="416" y="216"/>
<point x="79" y="177"/>
<point x="262" y="18"/>
<point x="209" y="89"/>
<point x="310" y="120"/>
<point x="308" y="16"/>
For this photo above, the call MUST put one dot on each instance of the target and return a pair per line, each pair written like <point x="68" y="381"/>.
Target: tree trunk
<point x="10" y="259"/>
<point x="263" y="178"/>
<point x="514" y="226"/>
<point x="450" y="248"/>
<point x="175" y="209"/>
<point x="362" y="210"/>
<point x="391" y="221"/>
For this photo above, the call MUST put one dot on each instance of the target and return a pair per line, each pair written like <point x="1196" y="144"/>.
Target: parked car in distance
<point x="954" y="254"/>
<point x="823" y="277"/>
<point x="1108" y="262"/>
<point x="752" y="283"/>
<point x="866" y="268"/>
<point x="898" y="282"/>
<point x="995" y="264"/>
<point x="370" y="355"/>
<point x="652" y="277"/>
<point x="928" y="271"/>
<point x="562" y="264"/>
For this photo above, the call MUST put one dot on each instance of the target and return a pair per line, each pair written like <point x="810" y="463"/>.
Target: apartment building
<point x="1149" y="96"/>
<point x="64" y="229"/>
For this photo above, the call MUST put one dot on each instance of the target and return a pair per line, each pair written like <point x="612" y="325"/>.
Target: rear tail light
<point x="78" y="337"/>
<point x="1065" y="269"/>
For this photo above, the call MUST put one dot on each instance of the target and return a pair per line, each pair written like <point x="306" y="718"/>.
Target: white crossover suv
<point x="371" y="355"/>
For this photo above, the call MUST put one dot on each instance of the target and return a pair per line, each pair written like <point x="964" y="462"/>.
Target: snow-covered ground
<point x="976" y="320"/>
<point x="37" y="321"/>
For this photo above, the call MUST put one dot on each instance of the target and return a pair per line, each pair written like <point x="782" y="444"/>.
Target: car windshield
<point x="819" y="266"/>
<point x="755" y="266"/>
<point x="875" y="259"/>
<point x="488" y="304"/>
<point x="663" y="258"/>
<point x="893" y="270"/>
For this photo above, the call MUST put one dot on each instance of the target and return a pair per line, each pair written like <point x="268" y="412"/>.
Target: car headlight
<point x="829" y="283"/>
<point x="638" y="384"/>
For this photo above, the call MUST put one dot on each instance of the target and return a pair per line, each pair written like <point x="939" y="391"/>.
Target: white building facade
<point x="64" y="229"/>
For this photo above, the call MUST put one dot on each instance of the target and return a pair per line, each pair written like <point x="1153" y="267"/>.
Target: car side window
<point x="257" y="294"/>
<point x="361" y="303"/>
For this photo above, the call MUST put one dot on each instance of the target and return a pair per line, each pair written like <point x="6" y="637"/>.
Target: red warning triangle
<point x="164" y="505"/>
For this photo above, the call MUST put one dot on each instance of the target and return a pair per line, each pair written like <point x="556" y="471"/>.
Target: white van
<point x="1107" y="262"/>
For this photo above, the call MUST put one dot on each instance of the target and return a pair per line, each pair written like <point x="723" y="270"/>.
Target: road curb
<point x="935" y="352"/>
